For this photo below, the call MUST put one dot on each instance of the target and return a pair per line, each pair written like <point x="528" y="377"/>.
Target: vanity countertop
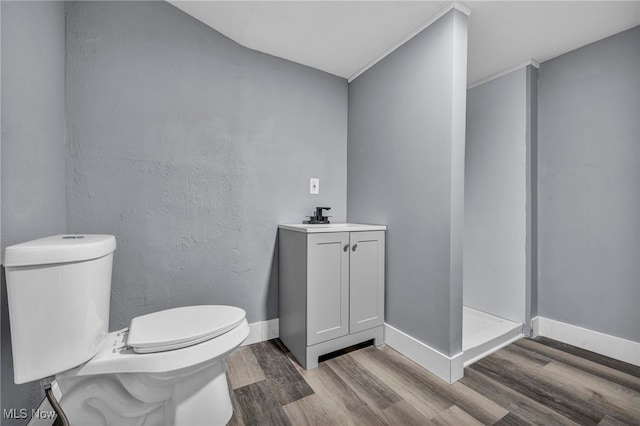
<point x="331" y="227"/>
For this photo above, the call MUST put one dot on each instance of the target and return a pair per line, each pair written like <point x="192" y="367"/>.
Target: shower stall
<point x="500" y="200"/>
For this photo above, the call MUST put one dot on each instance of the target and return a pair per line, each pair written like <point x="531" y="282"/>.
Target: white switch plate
<point x="314" y="186"/>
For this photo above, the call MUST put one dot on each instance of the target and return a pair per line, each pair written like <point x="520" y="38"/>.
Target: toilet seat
<point x="115" y="357"/>
<point x="181" y="327"/>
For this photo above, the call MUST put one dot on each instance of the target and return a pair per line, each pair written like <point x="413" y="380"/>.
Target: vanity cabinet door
<point x="327" y="286"/>
<point x="366" y="280"/>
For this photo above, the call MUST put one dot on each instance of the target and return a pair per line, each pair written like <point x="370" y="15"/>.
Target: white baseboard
<point x="494" y="346"/>
<point x="263" y="330"/>
<point x="594" y="341"/>
<point x="535" y="327"/>
<point x="449" y="369"/>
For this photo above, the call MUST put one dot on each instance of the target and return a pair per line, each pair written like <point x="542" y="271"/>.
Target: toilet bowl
<point x="151" y="384"/>
<point x="166" y="368"/>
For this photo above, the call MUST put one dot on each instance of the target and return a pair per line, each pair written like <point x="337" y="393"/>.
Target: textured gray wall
<point x="495" y="197"/>
<point x="191" y="149"/>
<point x="401" y="173"/>
<point x="33" y="149"/>
<point x="589" y="202"/>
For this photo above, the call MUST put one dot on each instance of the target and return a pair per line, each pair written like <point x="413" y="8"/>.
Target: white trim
<point x="262" y="330"/>
<point x="531" y="62"/>
<point x="594" y="341"/>
<point x="457" y="367"/>
<point x="447" y="368"/>
<point x="461" y="7"/>
<point x="455" y="5"/>
<point x="493" y="349"/>
<point x="535" y="327"/>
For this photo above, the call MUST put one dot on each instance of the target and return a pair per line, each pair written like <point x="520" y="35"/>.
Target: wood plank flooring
<point x="540" y="382"/>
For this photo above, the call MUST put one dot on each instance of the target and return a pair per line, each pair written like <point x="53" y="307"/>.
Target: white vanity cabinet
<point x="331" y="287"/>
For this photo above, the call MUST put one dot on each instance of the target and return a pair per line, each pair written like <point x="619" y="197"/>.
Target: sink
<point x="331" y="227"/>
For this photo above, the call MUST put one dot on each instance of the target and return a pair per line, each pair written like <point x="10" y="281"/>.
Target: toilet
<point x="166" y="368"/>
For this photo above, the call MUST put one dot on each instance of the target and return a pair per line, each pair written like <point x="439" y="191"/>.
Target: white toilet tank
<point x="58" y="290"/>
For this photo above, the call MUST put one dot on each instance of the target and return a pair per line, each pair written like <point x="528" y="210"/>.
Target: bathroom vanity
<point x="331" y="287"/>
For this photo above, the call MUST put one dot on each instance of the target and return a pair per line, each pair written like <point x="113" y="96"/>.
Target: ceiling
<point x="346" y="37"/>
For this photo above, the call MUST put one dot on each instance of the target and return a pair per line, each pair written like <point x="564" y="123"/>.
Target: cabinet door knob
<point x="354" y="247"/>
<point x="346" y="247"/>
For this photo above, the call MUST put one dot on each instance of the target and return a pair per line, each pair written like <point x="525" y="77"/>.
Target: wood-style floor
<point x="529" y="382"/>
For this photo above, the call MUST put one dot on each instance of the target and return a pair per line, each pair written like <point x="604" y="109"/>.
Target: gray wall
<point x="191" y="149"/>
<point x="495" y="197"/>
<point x="33" y="149"/>
<point x="406" y="170"/>
<point x="589" y="202"/>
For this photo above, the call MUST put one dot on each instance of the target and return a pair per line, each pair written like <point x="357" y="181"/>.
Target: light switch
<point x="314" y="186"/>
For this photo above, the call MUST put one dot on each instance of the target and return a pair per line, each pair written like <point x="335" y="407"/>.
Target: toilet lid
<point x="181" y="327"/>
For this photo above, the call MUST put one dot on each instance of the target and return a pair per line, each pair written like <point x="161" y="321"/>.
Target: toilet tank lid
<point x="59" y="249"/>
